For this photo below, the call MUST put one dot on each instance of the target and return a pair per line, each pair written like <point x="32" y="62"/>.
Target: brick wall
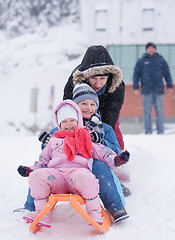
<point x="132" y="106"/>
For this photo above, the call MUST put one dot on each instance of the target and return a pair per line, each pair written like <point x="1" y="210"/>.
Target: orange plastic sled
<point x="75" y="202"/>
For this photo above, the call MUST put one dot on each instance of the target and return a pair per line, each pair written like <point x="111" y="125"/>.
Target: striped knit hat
<point x="82" y="92"/>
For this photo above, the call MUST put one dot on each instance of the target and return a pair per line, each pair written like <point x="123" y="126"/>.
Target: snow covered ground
<point x="150" y="206"/>
<point x="40" y="61"/>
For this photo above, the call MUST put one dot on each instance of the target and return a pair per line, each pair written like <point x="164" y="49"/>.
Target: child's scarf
<point x="76" y="141"/>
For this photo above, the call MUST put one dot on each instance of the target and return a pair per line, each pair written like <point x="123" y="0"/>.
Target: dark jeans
<point x="156" y="100"/>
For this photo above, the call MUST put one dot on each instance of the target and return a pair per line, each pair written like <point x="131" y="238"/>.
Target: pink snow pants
<point x="45" y="181"/>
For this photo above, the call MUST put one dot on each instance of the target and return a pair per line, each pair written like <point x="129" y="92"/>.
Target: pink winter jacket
<point x="53" y="155"/>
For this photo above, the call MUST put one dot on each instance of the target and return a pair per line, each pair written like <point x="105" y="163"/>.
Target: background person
<point x="149" y="72"/>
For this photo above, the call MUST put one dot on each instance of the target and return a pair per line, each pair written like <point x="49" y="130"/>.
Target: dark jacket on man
<point x="150" y="71"/>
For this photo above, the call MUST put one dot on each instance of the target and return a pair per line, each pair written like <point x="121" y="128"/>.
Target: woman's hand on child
<point x="24" y="171"/>
<point x="122" y="158"/>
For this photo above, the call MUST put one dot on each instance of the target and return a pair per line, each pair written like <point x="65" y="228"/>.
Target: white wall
<point x="125" y="21"/>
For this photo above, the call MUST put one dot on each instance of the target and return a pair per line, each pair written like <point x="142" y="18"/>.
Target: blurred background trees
<point x="19" y="16"/>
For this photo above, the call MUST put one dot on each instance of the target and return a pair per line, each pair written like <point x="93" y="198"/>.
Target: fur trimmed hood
<point x="117" y="76"/>
<point x="97" y="61"/>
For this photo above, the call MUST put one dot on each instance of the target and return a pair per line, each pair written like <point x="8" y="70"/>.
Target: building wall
<point x="132" y="106"/>
<point x="124" y="27"/>
<point x="90" y="20"/>
<point x="128" y="21"/>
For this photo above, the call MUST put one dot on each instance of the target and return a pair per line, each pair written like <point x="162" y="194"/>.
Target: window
<point x="100" y="20"/>
<point x="148" y="19"/>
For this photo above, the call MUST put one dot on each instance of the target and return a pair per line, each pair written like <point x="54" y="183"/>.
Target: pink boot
<point x="30" y="216"/>
<point x="93" y="209"/>
<point x="44" y="222"/>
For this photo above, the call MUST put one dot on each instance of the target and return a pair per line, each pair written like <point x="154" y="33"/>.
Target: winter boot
<point x="44" y="222"/>
<point x="93" y="209"/>
<point x="30" y="216"/>
<point x="119" y="215"/>
<point x="20" y="210"/>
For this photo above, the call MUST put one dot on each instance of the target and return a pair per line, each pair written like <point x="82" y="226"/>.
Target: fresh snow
<point x="150" y="206"/>
<point x="37" y="60"/>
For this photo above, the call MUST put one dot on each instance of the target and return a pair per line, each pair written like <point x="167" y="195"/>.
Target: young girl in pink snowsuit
<point x="68" y="157"/>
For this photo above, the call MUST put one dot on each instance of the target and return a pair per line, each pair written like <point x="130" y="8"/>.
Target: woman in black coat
<point x="97" y="67"/>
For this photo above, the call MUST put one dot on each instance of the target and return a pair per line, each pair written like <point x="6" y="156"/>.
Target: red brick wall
<point x="132" y="106"/>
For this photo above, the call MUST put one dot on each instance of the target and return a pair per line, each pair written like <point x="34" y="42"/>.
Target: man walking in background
<point x="150" y="70"/>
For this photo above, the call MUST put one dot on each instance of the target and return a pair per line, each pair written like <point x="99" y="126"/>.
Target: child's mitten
<point x="122" y="158"/>
<point x="24" y="171"/>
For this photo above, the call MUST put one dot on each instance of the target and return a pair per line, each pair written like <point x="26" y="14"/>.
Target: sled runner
<point x="75" y="202"/>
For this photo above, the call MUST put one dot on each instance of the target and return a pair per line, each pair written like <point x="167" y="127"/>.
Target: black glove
<point x="44" y="137"/>
<point x="122" y="158"/>
<point x="95" y="137"/>
<point x="24" y="171"/>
